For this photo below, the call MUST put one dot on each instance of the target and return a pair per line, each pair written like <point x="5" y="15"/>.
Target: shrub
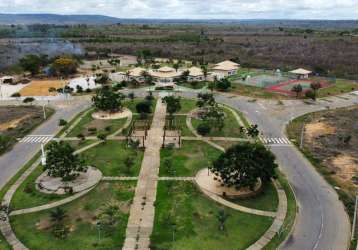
<point x="144" y="107"/>
<point x="62" y="123"/>
<point x="203" y="129"/>
<point x="28" y="100"/>
<point x="17" y="94"/>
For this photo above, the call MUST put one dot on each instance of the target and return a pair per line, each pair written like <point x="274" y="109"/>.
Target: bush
<point x="310" y="94"/>
<point x="203" y="129"/>
<point x="17" y="94"/>
<point x="62" y="123"/>
<point x="28" y="100"/>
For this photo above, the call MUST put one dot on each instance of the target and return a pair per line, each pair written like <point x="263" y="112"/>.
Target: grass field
<point x="109" y="157"/>
<point x="196" y="226"/>
<point x="34" y="230"/>
<point x="189" y="159"/>
<point x="231" y="126"/>
<point x="87" y="123"/>
<point x="41" y="87"/>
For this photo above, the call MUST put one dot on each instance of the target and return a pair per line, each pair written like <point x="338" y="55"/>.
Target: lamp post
<point x="99" y="230"/>
<point x="43" y="157"/>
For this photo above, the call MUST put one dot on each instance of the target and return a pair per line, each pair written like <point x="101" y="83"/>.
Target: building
<point x="301" y="73"/>
<point x="224" y="69"/>
<point x="165" y="76"/>
<point x="195" y="75"/>
<point x="136" y="74"/>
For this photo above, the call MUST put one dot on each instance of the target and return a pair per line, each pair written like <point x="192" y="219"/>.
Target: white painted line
<point x="281" y="140"/>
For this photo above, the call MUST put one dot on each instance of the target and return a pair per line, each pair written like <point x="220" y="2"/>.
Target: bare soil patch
<point x="41" y="88"/>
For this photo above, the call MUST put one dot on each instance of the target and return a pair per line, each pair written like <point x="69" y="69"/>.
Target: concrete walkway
<point x="141" y="218"/>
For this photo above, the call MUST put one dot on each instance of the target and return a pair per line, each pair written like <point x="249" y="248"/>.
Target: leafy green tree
<point x="62" y="162"/>
<point x="131" y="96"/>
<point x="297" y="89"/>
<point x="58" y="215"/>
<point x="28" y="100"/>
<point x="33" y="63"/>
<point x="310" y="94"/>
<point x="108" y="100"/>
<point x="241" y="165"/>
<point x="203" y="129"/>
<point x="173" y="104"/>
<point x="205" y="99"/>
<point x="59" y="229"/>
<point x="223" y="84"/>
<point x="144" y="107"/>
<point x="184" y="76"/>
<point x="253" y="131"/>
<point x="102" y="79"/>
<point x="62" y="122"/>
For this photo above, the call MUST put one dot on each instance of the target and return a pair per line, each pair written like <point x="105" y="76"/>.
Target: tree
<point x="102" y="136"/>
<point x="62" y="122"/>
<point x="65" y="66"/>
<point x="297" y="89"/>
<point x="310" y="94"/>
<point x="148" y="79"/>
<point x="223" y="84"/>
<point x="33" y="63"/>
<point x="203" y="129"/>
<point x="204" y="68"/>
<point x="211" y="86"/>
<point x="57" y="216"/>
<point x="102" y="79"/>
<point x="315" y="86"/>
<point x="214" y="116"/>
<point x="222" y="216"/>
<point x="253" y="131"/>
<point x="144" y="107"/>
<point x="173" y="104"/>
<point x="128" y="162"/>
<point x="108" y="100"/>
<point x="184" y="76"/>
<point x="131" y="96"/>
<point x="168" y="165"/>
<point x="241" y="165"/>
<point x="62" y="162"/>
<point x="176" y="66"/>
<point x="205" y="99"/>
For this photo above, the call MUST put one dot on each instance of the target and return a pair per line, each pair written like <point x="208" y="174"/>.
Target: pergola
<point x="301" y="73"/>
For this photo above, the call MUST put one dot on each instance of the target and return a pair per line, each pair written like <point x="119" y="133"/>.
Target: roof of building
<point x="165" y="74"/>
<point x="195" y="71"/>
<point x="301" y="71"/>
<point x="136" y="71"/>
<point x="166" y="69"/>
<point x="228" y="63"/>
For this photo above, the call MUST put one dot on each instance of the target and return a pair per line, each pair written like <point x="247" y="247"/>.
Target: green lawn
<point x="341" y="86"/>
<point x="109" y="157"/>
<point x="267" y="200"/>
<point x="181" y="121"/>
<point x="231" y="126"/>
<point x="194" y="85"/>
<point x="34" y="230"/>
<point x="187" y="105"/>
<point x="290" y="217"/>
<point x="87" y="122"/>
<point x="131" y="104"/>
<point x="196" y="224"/>
<point x="27" y="196"/>
<point x="189" y="159"/>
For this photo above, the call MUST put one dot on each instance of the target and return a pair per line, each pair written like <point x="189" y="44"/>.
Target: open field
<point x="195" y="222"/>
<point x="331" y="143"/>
<point x="41" y="87"/>
<point x="35" y="229"/>
<point x="17" y="121"/>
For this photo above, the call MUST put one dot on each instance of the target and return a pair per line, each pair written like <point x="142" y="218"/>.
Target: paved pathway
<point x="141" y="218"/>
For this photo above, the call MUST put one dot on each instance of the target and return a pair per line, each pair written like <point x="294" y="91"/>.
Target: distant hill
<point x="28" y="19"/>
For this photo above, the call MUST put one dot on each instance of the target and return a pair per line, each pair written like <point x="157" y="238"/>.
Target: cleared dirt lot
<point x="331" y="143"/>
<point x="41" y="87"/>
<point x="16" y="122"/>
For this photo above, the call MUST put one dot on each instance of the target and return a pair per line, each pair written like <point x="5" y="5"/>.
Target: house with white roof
<point x="301" y="73"/>
<point x="195" y="74"/>
<point x="224" y="69"/>
<point x="136" y="74"/>
<point x="165" y="75"/>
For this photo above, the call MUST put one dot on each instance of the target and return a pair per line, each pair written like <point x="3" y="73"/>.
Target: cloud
<point x="211" y="9"/>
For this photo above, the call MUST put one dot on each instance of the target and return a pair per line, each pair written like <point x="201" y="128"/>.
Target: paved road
<point x="11" y="162"/>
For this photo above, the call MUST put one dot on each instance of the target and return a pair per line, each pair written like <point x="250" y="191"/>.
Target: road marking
<point x="275" y="141"/>
<point x="32" y="139"/>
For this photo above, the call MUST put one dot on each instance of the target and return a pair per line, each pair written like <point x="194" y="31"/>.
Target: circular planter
<point x="51" y="185"/>
<point x="209" y="182"/>
<point x="102" y="115"/>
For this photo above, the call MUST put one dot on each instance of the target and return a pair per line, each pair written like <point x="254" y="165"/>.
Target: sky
<point x="191" y="9"/>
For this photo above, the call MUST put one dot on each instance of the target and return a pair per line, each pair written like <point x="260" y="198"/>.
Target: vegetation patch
<point x="186" y="219"/>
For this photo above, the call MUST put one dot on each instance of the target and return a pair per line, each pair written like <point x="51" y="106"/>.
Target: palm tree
<point x="58" y="215"/>
<point x="176" y="66"/>
<point x="204" y="68"/>
<point x="297" y="89"/>
<point x="222" y="216"/>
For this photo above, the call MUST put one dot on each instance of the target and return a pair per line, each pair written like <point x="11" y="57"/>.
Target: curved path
<point x="322" y="222"/>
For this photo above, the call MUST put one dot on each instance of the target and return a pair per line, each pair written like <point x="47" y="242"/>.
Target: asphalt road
<point x="12" y="161"/>
<point x="321" y="223"/>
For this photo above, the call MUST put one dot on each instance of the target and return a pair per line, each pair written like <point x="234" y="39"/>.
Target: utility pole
<point x="43" y="157"/>
<point x="44" y="111"/>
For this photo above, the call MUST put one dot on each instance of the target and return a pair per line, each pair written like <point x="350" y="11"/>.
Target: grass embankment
<point x="183" y="208"/>
<point x="34" y="230"/>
